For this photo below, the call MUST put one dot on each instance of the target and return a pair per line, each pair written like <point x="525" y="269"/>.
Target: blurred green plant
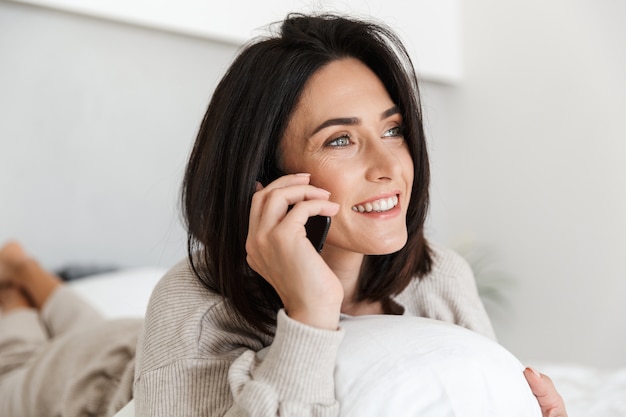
<point x="493" y="282"/>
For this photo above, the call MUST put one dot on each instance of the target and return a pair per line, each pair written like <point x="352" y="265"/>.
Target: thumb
<point x="550" y="401"/>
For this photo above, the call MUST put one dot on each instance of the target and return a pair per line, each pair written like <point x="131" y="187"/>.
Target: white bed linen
<point x="122" y="293"/>
<point x="588" y="391"/>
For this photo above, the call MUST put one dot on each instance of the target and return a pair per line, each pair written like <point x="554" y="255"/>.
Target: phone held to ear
<point x="316" y="227"/>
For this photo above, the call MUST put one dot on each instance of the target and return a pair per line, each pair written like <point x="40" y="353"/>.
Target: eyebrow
<point x="352" y="121"/>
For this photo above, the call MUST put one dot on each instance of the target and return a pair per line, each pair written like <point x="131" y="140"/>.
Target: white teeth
<point x="384" y="204"/>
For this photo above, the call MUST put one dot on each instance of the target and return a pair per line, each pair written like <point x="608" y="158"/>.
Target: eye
<point x="341" y="141"/>
<point x="397" y="131"/>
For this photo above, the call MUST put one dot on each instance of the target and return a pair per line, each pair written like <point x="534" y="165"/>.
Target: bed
<point x="587" y="391"/>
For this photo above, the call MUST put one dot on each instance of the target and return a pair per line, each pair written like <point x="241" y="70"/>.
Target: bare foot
<point x="11" y="256"/>
<point x="19" y="270"/>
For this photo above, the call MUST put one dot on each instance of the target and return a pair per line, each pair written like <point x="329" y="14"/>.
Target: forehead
<point x="343" y="88"/>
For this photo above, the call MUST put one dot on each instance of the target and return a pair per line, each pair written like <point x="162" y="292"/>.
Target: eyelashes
<point x="340" y="142"/>
<point x="345" y="140"/>
<point x="394" y="132"/>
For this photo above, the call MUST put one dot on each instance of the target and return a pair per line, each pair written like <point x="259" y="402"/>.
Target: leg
<point x="60" y="309"/>
<point x="86" y="371"/>
<point x="22" y="339"/>
<point x="21" y="333"/>
<point x="84" y="368"/>
<point x="19" y="270"/>
<point x="12" y="298"/>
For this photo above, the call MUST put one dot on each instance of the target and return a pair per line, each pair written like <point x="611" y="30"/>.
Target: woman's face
<point x="347" y="133"/>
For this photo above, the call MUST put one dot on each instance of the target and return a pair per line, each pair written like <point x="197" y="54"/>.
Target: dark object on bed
<point x="73" y="272"/>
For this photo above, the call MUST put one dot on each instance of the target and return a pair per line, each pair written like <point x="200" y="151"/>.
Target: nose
<point x="383" y="160"/>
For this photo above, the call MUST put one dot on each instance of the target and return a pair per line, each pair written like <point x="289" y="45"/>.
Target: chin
<point x="372" y="244"/>
<point x="388" y="248"/>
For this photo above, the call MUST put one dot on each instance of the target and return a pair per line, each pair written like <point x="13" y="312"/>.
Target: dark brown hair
<point x="238" y="141"/>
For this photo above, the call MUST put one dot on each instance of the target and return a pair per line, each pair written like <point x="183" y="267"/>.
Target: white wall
<point x="534" y="158"/>
<point x="431" y="27"/>
<point x="97" y="120"/>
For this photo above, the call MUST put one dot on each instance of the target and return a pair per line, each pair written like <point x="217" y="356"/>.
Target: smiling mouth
<point x="378" y="206"/>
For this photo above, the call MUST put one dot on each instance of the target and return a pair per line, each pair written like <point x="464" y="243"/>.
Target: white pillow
<point x="123" y="293"/>
<point x="411" y="366"/>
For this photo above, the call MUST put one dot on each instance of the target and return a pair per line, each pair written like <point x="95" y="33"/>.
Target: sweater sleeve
<point x="195" y="357"/>
<point x="291" y="377"/>
<point x="295" y="377"/>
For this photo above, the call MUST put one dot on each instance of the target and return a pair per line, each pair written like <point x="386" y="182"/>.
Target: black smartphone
<point x="316" y="227"/>
<point x="316" y="230"/>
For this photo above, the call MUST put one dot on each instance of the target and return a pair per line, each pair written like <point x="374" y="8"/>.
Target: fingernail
<point x="302" y="174"/>
<point x="535" y="372"/>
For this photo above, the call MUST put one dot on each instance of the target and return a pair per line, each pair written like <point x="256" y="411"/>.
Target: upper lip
<point x="379" y="197"/>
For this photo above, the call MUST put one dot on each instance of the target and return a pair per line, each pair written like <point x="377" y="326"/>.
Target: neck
<point x="347" y="266"/>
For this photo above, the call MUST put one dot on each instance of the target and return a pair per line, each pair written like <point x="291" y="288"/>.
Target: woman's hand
<point x="550" y="401"/>
<point x="280" y="252"/>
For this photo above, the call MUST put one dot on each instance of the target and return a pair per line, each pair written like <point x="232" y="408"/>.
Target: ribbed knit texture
<point x="195" y="359"/>
<point x="448" y="293"/>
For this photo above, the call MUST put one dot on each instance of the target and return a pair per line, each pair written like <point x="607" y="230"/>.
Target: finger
<point x="267" y="213"/>
<point x="270" y="205"/>
<point x="543" y="388"/>
<point x="288" y="180"/>
<point x="289" y="233"/>
<point x="301" y="211"/>
<point x="277" y="201"/>
<point x="274" y="200"/>
<point x="292" y="225"/>
<point x="259" y="197"/>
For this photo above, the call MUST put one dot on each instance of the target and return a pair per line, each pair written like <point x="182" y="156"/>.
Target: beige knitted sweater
<point x="195" y="359"/>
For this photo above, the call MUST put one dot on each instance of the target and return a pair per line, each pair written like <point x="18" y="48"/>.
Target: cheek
<point x="324" y="173"/>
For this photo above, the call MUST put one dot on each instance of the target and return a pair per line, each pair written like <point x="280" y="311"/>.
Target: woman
<point x="321" y="119"/>
<point x="333" y="103"/>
